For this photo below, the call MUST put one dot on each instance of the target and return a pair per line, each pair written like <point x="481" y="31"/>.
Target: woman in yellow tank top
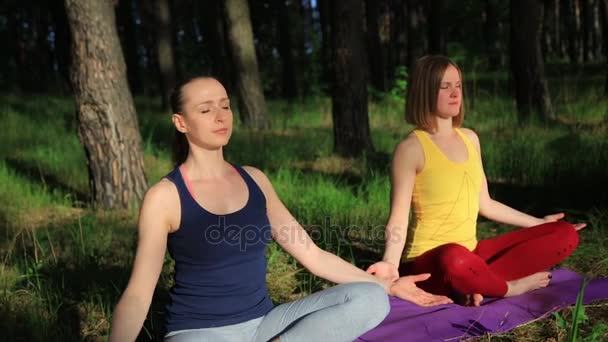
<point x="437" y="172"/>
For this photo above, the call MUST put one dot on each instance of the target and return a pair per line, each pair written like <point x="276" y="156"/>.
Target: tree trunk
<point x="604" y="14"/>
<point x="588" y="29"/>
<point x="126" y="25"/>
<point x="287" y="50"/>
<point x="572" y="29"/>
<point x="416" y="34"/>
<point x="214" y="34"/>
<point x="62" y="42"/>
<point x="491" y="34"/>
<point x="399" y="39"/>
<point x="107" y="122"/>
<point x="527" y="63"/>
<point x="437" y="29"/>
<point x="252" y="105"/>
<point x="164" y="50"/>
<point x="324" y="7"/>
<point x="349" y="93"/>
<point x="378" y="35"/>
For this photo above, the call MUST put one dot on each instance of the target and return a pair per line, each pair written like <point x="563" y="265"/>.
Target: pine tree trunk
<point x="287" y="50"/>
<point x="527" y="63"/>
<point x="214" y="33"/>
<point x="604" y="14"/>
<point x="491" y="34"/>
<point x="376" y="13"/>
<point x="252" y="105"/>
<point x="349" y="91"/>
<point x="417" y="31"/>
<point x="126" y="24"/>
<point x="164" y="46"/>
<point x="107" y="122"/>
<point x="324" y="7"/>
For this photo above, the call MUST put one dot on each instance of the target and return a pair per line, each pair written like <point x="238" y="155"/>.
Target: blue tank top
<point x="220" y="262"/>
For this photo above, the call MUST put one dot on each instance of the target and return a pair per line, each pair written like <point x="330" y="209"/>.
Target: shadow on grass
<point x="46" y="179"/>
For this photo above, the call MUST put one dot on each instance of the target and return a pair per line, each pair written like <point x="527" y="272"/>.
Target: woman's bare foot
<point x="467" y="299"/>
<point x="529" y="283"/>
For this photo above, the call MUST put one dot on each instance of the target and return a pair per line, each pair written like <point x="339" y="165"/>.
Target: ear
<point x="179" y="123"/>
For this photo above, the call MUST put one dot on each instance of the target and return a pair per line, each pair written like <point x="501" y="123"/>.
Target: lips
<point x="221" y="131"/>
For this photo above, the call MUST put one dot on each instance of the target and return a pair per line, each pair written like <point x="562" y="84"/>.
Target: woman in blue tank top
<point x="216" y="220"/>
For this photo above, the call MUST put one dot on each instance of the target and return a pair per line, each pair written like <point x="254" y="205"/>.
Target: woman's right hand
<point x="384" y="270"/>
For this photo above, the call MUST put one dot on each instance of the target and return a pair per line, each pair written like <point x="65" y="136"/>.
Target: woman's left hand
<point x="559" y="216"/>
<point x="406" y="289"/>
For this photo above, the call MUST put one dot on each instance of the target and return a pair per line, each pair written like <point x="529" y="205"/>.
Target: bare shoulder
<point x="162" y="202"/>
<point x="258" y="176"/>
<point x="469" y="133"/>
<point x="409" y="150"/>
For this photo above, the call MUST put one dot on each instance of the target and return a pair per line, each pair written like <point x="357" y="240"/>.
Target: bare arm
<point x="293" y="238"/>
<point x="156" y="213"/>
<point x="290" y="235"/>
<point x="492" y="209"/>
<point x="408" y="159"/>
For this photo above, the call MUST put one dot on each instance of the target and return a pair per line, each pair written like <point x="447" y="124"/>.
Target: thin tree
<point x="377" y="13"/>
<point x="126" y="26"/>
<point x="164" y="46"/>
<point x="107" y="122"/>
<point x="527" y="63"/>
<point x="349" y="89"/>
<point x="416" y="30"/>
<point x="252" y="105"/>
<point x="604" y="9"/>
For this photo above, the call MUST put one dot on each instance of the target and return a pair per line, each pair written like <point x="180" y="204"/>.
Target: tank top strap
<point x="254" y="190"/>
<point x="468" y="143"/>
<point x="187" y="203"/>
<point x="428" y="147"/>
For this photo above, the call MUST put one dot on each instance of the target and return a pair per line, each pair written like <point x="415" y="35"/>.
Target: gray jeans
<point x="340" y="313"/>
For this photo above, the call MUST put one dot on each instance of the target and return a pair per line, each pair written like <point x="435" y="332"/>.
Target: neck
<point x="202" y="163"/>
<point x="444" y="127"/>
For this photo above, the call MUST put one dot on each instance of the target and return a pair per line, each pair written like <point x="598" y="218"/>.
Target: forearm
<point x="128" y="318"/>
<point x="335" y="269"/>
<point x="396" y="235"/>
<point x="501" y="213"/>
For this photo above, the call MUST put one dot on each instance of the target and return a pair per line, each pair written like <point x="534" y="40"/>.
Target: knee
<point x="567" y="236"/>
<point x="372" y="299"/>
<point x="454" y="259"/>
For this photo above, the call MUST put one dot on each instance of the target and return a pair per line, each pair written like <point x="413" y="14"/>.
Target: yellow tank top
<point x="445" y="199"/>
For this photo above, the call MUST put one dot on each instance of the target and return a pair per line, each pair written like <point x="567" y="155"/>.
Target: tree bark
<point x="527" y="63"/>
<point x="164" y="50"/>
<point x="252" y="105"/>
<point x="349" y="91"/>
<point x="107" y="122"/>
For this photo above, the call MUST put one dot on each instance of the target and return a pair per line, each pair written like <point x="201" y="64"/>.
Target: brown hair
<point x="180" y="148"/>
<point x="422" y="91"/>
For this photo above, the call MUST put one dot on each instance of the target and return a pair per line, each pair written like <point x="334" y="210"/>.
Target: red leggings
<point x="486" y="270"/>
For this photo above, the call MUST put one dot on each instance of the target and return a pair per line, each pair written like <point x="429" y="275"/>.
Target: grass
<point x="64" y="265"/>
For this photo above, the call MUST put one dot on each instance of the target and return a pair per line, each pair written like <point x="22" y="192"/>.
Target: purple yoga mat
<point x="451" y="322"/>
